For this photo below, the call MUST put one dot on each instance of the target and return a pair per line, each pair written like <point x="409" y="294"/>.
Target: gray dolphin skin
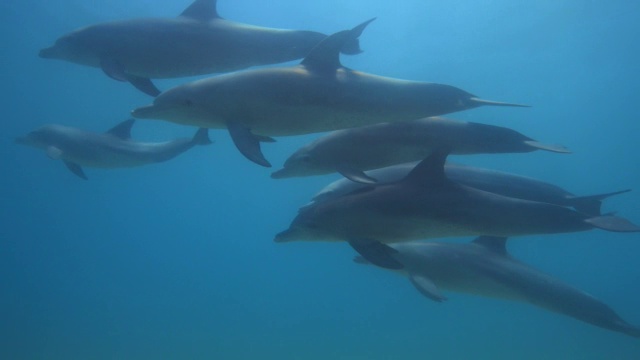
<point x="197" y="42"/>
<point x="353" y="151"/>
<point x="497" y="182"/>
<point x="426" y="204"/>
<point x="113" y="149"/>
<point x="485" y="268"/>
<point x="316" y="96"/>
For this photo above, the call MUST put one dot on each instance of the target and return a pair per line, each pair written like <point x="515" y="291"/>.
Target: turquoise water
<point x="176" y="260"/>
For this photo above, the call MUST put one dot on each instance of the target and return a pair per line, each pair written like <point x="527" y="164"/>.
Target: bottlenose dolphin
<point x="317" y="95"/>
<point x="485" y="268"/>
<point x="113" y="149"/>
<point x="497" y="182"/>
<point x="197" y="42"/>
<point x="426" y="204"/>
<point x="353" y="151"/>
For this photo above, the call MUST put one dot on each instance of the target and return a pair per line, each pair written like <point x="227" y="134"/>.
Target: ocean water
<point x="177" y="260"/>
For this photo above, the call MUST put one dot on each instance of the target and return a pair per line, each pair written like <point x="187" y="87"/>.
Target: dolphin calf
<point x="197" y="42"/>
<point x="315" y="96"/>
<point x="426" y="204"/>
<point x="113" y="149"/>
<point x="353" y="151"/>
<point x="485" y="268"/>
<point x="497" y="182"/>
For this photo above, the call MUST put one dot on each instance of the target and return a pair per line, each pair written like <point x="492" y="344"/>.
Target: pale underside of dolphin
<point x="497" y="182"/>
<point x="353" y="151"/>
<point x="316" y="96"/>
<point x="426" y="204"/>
<point x="197" y="42"/>
<point x="112" y="149"/>
<point x="485" y="268"/>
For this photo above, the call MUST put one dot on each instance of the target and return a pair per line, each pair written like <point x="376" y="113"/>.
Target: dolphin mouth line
<point x="146" y="112"/>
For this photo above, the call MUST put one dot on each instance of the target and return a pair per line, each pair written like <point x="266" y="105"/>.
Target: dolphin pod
<point x="197" y="42"/>
<point x="113" y="149"/>
<point x="376" y="122"/>
<point x="426" y="204"/>
<point x="353" y="151"/>
<point x="484" y="267"/>
<point x="317" y="95"/>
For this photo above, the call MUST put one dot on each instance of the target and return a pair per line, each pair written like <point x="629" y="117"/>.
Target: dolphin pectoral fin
<point x="548" y="147"/>
<point x="76" y="169"/>
<point x="247" y="143"/>
<point x="54" y="153"/>
<point x="591" y="204"/>
<point x="377" y="253"/>
<point x="426" y="287"/>
<point x="613" y="223"/>
<point x="143" y="84"/>
<point x="113" y="69"/>
<point x="355" y="175"/>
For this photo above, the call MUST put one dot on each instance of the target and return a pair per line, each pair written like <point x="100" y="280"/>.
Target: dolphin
<point x="497" y="182"/>
<point x="485" y="268"/>
<point x="426" y="204"/>
<point x="317" y="95"/>
<point x="113" y="149"/>
<point x="197" y="42"/>
<point x="353" y="151"/>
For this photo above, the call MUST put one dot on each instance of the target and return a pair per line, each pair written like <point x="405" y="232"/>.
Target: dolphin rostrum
<point x="113" y="149"/>
<point x="497" y="182"/>
<point x="426" y="204"/>
<point x="485" y="268"/>
<point x="353" y="151"/>
<point x="197" y="42"/>
<point x="315" y="96"/>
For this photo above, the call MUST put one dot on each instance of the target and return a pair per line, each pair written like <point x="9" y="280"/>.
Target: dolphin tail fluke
<point x="591" y="204"/>
<point x="377" y="253"/>
<point x="202" y="137"/>
<point x="613" y="223"/>
<point x="548" y="147"/>
<point x="481" y="102"/>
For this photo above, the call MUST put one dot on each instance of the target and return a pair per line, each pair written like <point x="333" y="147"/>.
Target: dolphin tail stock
<point x="201" y="137"/>
<point x="591" y="204"/>
<point x="376" y="252"/>
<point x="612" y="223"/>
<point x="481" y="102"/>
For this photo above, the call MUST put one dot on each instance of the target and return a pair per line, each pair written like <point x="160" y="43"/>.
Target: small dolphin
<point x="353" y="151"/>
<point x="426" y="204"/>
<point x="197" y="42"/>
<point x="497" y="182"/>
<point x="113" y="149"/>
<point x="485" y="268"/>
<point x="317" y="95"/>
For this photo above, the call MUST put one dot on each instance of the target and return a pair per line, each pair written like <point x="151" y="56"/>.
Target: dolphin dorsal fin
<point x="122" y="130"/>
<point x="202" y="10"/>
<point x="496" y="244"/>
<point x="430" y="171"/>
<point x="326" y="55"/>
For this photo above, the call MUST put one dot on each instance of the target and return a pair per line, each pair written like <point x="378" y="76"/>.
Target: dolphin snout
<point x="284" y="236"/>
<point x="47" y="53"/>
<point x="144" y="112"/>
<point x="280" y="174"/>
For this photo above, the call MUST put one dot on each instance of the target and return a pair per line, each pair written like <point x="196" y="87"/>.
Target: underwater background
<point x="177" y="260"/>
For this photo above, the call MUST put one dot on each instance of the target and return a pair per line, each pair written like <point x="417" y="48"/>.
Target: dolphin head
<point x="39" y="138"/>
<point x="72" y="47"/>
<point x="307" y="225"/>
<point x="300" y="163"/>
<point x="180" y="105"/>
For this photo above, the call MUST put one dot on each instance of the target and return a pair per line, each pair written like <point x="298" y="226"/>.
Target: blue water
<point x="176" y="260"/>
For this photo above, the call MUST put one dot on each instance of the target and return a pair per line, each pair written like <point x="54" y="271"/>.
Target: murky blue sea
<point x="177" y="260"/>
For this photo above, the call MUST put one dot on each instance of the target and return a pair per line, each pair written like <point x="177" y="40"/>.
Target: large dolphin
<point x="497" y="182"/>
<point x="113" y="149"/>
<point x="426" y="204"/>
<point x="197" y="42"/>
<point x="485" y="268"/>
<point x="353" y="151"/>
<point x="317" y="95"/>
